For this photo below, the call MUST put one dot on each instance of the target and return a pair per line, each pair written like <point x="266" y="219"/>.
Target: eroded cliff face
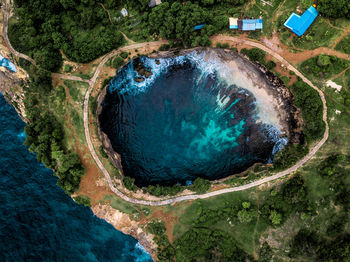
<point x="11" y="88"/>
<point x="122" y="222"/>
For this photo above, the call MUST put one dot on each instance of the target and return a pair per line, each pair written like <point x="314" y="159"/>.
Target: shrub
<point x="83" y="200"/>
<point x="67" y="68"/>
<point x="103" y="152"/>
<point x="117" y="62"/>
<point x="124" y="55"/>
<point x="164" y="47"/>
<point x="200" y="185"/>
<point x="270" y="65"/>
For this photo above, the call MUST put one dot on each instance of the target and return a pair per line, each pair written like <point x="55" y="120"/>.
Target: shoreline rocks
<point x="290" y="116"/>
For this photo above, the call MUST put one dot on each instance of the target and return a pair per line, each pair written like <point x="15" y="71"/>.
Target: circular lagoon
<point x="204" y="113"/>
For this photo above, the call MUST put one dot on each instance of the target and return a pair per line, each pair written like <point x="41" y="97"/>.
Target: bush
<point x="129" y="183"/>
<point x="311" y="106"/>
<point x="93" y="105"/>
<point x="124" y="55"/>
<point x="83" y="200"/>
<point x="117" y="62"/>
<point x="67" y="68"/>
<point x="164" y="47"/>
<point x="225" y="46"/>
<point x="270" y="65"/>
<point x="200" y="185"/>
<point x="103" y="152"/>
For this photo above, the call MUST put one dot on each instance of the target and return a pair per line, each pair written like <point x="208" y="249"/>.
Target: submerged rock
<point x="204" y="114"/>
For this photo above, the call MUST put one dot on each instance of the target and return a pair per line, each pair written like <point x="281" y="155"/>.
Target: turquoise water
<point x="38" y="221"/>
<point x="7" y="63"/>
<point x="183" y="122"/>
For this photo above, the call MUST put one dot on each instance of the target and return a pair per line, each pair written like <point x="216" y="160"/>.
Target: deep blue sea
<point x="184" y="121"/>
<point x="38" y="221"/>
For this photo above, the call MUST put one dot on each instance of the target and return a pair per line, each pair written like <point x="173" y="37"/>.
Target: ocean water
<point x="38" y="221"/>
<point x="184" y="121"/>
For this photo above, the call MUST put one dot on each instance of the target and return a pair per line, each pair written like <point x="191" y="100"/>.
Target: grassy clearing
<point x="77" y="90"/>
<point x="344" y="45"/>
<point x="323" y="67"/>
<point x="134" y="211"/>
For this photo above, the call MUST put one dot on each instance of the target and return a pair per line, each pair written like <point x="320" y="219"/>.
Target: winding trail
<point x="221" y="191"/>
<point x="92" y="82"/>
<point x="5" y="31"/>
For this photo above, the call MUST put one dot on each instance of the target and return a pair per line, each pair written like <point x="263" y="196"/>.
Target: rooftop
<point x="299" y="24"/>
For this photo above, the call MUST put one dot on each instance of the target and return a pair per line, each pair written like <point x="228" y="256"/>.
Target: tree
<point x="275" y="217"/>
<point x="323" y="60"/>
<point x="334" y="8"/>
<point x="200" y="185"/>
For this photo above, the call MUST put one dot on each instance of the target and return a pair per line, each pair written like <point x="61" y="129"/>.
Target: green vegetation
<point x="83" y="200"/>
<point x="124" y="55"/>
<point x="45" y="137"/>
<point x="200" y="185"/>
<point x="117" y="62"/>
<point x="67" y="68"/>
<point x="308" y="100"/>
<point x="344" y="45"/>
<point x="102" y="152"/>
<point x="258" y="55"/>
<point x="175" y="21"/>
<point x="334" y="8"/>
<point x="80" y="29"/>
<point x="93" y="105"/>
<point x="234" y="218"/>
<point x="323" y="66"/>
<point x="164" y="47"/>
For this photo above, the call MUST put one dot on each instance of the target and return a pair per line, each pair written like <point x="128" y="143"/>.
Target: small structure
<point x="299" y="24"/>
<point x="124" y="12"/>
<point x="199" y="27"/>
<point x="233" y="23"/>
<point x="8" y="64"/>
<point x="246" y="24"/>
<point x="154" y="3"/>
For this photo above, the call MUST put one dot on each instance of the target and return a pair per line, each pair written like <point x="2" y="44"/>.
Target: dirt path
<point x="344" y="34"/>
<point x="131" y="42"/>
<point x="218" y="192"/>
<point x="342" y="72"/>
<point x="221" y="38"/>
<point x="5" y="31"/>
<point x="109" y="16"/>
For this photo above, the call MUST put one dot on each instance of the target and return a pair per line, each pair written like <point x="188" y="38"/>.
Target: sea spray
<point x="194" y="116"/>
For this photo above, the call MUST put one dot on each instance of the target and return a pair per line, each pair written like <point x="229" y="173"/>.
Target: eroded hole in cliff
<point x="204" y="113"/>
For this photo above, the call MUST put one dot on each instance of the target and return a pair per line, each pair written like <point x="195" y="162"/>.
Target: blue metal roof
<point x="299" y="24"/>
<point x="248" y="25"/>
<point x="198" y="27"/>
<point x="259" y="24"/>
<point x="252" y="24"/>
<point x="7" y="63"/>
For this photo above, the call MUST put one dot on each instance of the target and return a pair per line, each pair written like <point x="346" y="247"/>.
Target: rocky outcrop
<point x="11" y="88"/>
<point x="122" y="222"/>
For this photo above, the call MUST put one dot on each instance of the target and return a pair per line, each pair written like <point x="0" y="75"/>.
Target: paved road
<point x="218" y="192"/>
<point x="92" y="82"/>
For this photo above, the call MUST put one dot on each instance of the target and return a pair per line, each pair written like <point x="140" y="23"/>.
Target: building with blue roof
<point x="250" y="24"/>
<point x="198" y="27"/>
<point x="299" y="24"/>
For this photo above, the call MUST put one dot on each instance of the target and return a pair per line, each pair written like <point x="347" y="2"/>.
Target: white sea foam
<point x="208" y="63"/>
